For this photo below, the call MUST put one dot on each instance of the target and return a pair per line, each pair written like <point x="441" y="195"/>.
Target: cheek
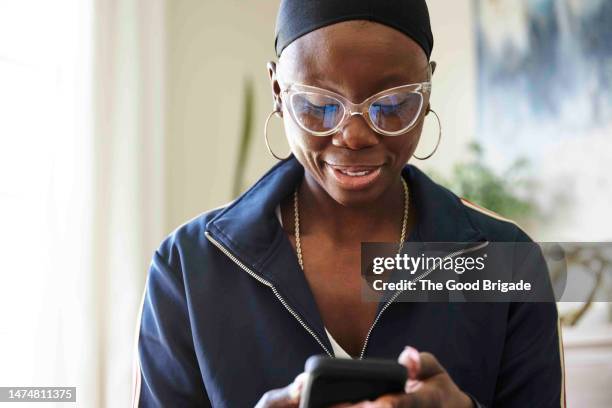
<point x="405" y="145"/>
<point x="301" y="143"/>
<point x="414" y="136"/>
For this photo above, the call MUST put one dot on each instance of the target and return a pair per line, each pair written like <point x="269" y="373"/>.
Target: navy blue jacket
<point x="229" y="315"/>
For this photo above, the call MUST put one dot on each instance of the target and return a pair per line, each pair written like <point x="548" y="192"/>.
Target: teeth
<point x="355" y="173"/>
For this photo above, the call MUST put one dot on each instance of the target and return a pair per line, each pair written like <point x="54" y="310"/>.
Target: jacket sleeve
<point x="532" y="370"/>
<point x="166" y="371"/>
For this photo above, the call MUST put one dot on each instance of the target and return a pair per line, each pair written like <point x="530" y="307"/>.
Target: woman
<point x="238" y="298"/>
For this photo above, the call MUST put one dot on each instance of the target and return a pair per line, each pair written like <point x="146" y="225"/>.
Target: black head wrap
<point x="299" y="17"/>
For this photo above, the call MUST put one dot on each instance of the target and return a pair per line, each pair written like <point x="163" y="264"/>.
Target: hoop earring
<point x="439" y="137"/>
<point x="274" y="112"/>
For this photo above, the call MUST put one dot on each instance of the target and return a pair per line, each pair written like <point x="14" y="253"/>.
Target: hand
<point x="287" y="397"/>
<point x="428" y="385"/>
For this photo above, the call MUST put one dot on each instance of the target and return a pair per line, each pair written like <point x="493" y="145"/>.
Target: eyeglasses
<point x="321" y="112"/>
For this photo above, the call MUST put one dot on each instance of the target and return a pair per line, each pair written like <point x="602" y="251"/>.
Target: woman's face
<point x="355" y="59"/>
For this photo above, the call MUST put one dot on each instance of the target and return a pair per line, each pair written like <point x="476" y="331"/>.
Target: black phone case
<point x="335" y="380"/>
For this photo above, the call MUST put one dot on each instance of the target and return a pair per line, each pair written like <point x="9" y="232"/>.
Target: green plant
<point x="504" y="192"/>
<point x="246" y="135"/>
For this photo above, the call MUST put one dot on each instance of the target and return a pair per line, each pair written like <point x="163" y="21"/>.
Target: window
<point x="44" y="168"/>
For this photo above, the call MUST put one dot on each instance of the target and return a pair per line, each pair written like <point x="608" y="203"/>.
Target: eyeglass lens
<point x="391" y="113"/>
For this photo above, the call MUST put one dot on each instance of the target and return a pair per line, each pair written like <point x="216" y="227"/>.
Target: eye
<point x="396" y="111"/>
<point x="390" y="105"/>
<point x="316" y="112"/>
<point x="317" y="105"/>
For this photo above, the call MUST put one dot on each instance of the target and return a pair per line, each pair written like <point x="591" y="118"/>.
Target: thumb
<point x="420" y="366"/>
<point x="286" y="397"/>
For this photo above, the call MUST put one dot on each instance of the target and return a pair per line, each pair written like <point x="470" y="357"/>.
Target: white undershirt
<point x="336" y="348"/>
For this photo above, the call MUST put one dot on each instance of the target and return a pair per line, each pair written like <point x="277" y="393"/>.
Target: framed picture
<point x="545" y="95"/>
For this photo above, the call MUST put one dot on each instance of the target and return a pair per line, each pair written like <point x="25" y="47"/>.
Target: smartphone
<point x="335" y="380"/>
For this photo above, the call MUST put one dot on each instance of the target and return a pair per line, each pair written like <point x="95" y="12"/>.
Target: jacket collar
<point x="249" y="229"/>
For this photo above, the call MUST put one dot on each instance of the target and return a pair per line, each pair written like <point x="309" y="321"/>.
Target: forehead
<point x="356" y="58"/>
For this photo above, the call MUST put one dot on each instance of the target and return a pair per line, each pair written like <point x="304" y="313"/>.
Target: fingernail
<point x="295" y="389"/>
<point x="374" y="404"/>
<point x="411" y="358"/>
<point x="412" y="386"/>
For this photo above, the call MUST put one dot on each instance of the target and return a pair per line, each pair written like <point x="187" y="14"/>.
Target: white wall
<point x="212" y="48"/>
<point x="454" y="83"/>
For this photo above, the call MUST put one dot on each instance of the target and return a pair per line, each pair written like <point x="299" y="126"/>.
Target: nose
<point x="356" y="134"/>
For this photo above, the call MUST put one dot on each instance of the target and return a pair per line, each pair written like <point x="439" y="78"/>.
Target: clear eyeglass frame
<point x="350" y="108"/>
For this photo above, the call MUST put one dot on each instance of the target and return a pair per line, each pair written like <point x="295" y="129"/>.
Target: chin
<point x="355" y="197"/>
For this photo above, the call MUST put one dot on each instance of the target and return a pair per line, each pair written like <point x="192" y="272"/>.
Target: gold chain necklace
<point x="296" y="216"/>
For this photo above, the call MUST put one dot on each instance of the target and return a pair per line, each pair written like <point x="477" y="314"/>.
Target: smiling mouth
<point x="354" y="177"/>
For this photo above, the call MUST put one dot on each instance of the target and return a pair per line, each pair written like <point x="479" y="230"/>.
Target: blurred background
<point x="122" y="119"/>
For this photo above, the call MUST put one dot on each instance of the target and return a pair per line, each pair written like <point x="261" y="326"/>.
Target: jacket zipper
<point x="299" y="319"/>
<point x="269" y="284"/>
<point x="416" y="279"/>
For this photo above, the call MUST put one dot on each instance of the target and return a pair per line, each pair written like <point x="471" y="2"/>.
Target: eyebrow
<point x="391" y="80"/>
<point x="396" y="79"/>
